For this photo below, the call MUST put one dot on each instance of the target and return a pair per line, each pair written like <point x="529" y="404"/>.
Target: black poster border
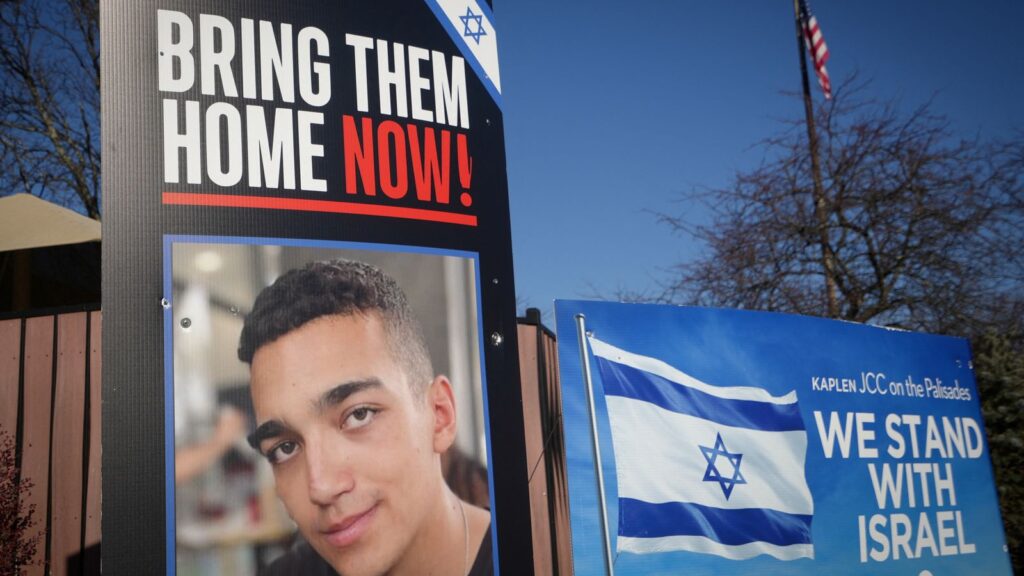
<point x="137" y="221"/>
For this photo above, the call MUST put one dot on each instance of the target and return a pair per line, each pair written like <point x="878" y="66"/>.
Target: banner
<point x="309" y="311"/>
<point x="737" y="442"/>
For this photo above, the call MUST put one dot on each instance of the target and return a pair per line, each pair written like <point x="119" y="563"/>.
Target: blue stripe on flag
<point x="640" y="519"/>
<point x="629" y="382"/>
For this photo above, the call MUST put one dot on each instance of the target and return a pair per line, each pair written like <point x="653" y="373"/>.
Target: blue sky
<point x="614" y="108"/>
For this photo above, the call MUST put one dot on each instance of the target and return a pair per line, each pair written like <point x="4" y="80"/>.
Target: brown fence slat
<point x="559" y="492"/>
<point x="68" y="427"/>
<point x="533" y="429"/>
<point x="10" y="357"/>
<point x="92" y="498"/>
<point x="531" y="399"/>
<point x="35" y="456"/>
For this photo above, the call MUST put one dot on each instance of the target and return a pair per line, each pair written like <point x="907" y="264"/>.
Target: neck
<point x="440" y="549"/>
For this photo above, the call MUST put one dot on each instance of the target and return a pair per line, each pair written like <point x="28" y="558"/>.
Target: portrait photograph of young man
<point x="355" y="421"/>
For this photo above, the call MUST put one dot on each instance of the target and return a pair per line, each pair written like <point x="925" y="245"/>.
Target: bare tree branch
<point x="49" y="101"/>
<point x="926" y="230"/>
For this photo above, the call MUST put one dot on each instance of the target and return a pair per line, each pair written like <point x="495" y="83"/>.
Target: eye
<point x="282" y="452"/>
<point x="359" y="417"/>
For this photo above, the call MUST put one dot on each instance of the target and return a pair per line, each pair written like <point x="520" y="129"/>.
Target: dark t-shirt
<point x="302" y="560"/>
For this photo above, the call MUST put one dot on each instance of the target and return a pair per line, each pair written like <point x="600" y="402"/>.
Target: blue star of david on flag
<point x="472" y="19"/>
<point x="712" y="474"/>
<point x="478" y="20"/>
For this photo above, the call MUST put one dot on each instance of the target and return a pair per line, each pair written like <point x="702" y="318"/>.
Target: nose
<point x="328" y="473"/>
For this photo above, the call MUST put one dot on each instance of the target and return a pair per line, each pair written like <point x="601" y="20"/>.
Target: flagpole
<point x="819" y="195"/>
<point x="581" y="334"/>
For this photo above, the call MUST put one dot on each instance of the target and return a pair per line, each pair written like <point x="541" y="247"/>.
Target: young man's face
<point x="354" y="451"/>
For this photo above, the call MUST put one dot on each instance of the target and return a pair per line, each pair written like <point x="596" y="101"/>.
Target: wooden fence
<point x="545" y="448"/>
<point x="50" y="367"/>
<point x="50" y="402"/>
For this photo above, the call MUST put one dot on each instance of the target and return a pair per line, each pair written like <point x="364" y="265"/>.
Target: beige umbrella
<point x="30" y="222"/>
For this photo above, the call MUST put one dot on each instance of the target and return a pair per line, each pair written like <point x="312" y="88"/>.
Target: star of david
<point x="478" y="19"/>
<point x="712" y="474"/>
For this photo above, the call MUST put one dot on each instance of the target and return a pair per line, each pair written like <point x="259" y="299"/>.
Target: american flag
<point x="815" y="42"/>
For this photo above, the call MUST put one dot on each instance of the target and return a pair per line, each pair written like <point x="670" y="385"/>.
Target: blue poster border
<point x="167" y="302"/>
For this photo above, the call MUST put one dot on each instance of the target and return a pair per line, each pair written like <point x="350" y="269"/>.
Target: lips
<point x="349" y="529"/>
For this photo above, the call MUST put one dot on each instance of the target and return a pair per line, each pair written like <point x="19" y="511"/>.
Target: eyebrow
<point x="332" y="397"/>
<point x="269" y="429"/>
<point x="341" y="392"/>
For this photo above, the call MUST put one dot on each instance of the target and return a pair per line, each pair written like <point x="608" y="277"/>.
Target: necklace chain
<point x="465" y="533"/>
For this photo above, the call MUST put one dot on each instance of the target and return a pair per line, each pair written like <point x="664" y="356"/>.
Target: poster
<point x="739" y="442"/>
<point x="344" y="165"/>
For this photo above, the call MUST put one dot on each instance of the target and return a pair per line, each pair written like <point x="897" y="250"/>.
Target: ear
<point x="441" y="402"/>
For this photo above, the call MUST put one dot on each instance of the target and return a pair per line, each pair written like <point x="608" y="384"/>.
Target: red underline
<point x="332" y="206"/>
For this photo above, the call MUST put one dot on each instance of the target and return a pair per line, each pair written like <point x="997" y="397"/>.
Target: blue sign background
<point x="781" y="353"/>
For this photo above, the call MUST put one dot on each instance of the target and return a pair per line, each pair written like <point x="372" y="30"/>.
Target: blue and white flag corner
<point x="703" y="468"/>
<point x="471" y="25"/>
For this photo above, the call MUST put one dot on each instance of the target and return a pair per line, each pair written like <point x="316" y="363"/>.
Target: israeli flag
<point x="702" y="468"/>
<point x="470" y="24"/>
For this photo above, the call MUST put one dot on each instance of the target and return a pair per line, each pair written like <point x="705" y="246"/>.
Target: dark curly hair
<point x="338" y="287"/>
